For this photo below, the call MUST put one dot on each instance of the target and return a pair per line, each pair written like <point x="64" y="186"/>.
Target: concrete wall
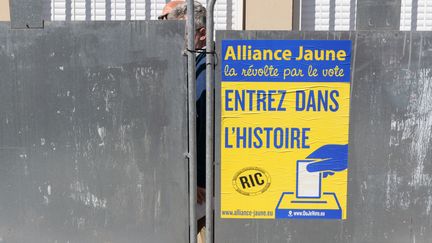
<point x="4" y="10"/>
<point x="268" y="15"/>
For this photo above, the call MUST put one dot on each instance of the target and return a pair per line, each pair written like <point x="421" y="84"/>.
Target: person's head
<point x="180" y="13"/>
<point x="168" y="8"/>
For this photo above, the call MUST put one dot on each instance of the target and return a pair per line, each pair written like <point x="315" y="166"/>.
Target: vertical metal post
<point x="88" y="10"/>
<point x="190" y="32"/>
<point x="68" y="10"/>
<point x="414" y="14"/>
<point x="300" y="15"/>
<point x="210" y="78"/>
<point x="296" y="14"/>
<point x="353" y="14"/>
<point x="332" y="17"/>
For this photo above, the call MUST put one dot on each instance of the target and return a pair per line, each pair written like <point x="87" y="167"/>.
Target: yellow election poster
<point x="284" y="128"/>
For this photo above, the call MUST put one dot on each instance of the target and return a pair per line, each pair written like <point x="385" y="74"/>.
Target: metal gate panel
<point x="93" y="132"/>
<point x="390" y="170"/>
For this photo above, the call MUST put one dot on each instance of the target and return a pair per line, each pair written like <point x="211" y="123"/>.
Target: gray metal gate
<point x="93" y="133"/>
<point x="390" y="169"/>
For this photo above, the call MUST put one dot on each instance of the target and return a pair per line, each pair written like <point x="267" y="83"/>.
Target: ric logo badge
<point x="251" y="181"/>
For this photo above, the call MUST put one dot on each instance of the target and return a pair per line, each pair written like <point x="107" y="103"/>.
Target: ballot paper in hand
<point x="308" y="183"/>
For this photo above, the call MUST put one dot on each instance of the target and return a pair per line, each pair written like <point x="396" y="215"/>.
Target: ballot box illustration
<point x="308" y="201"/>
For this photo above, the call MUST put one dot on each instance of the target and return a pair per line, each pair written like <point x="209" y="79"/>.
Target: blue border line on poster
<point x="291" y="59"/>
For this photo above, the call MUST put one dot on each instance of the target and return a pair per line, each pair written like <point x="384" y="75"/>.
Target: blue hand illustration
<point x="333" y="158"/>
